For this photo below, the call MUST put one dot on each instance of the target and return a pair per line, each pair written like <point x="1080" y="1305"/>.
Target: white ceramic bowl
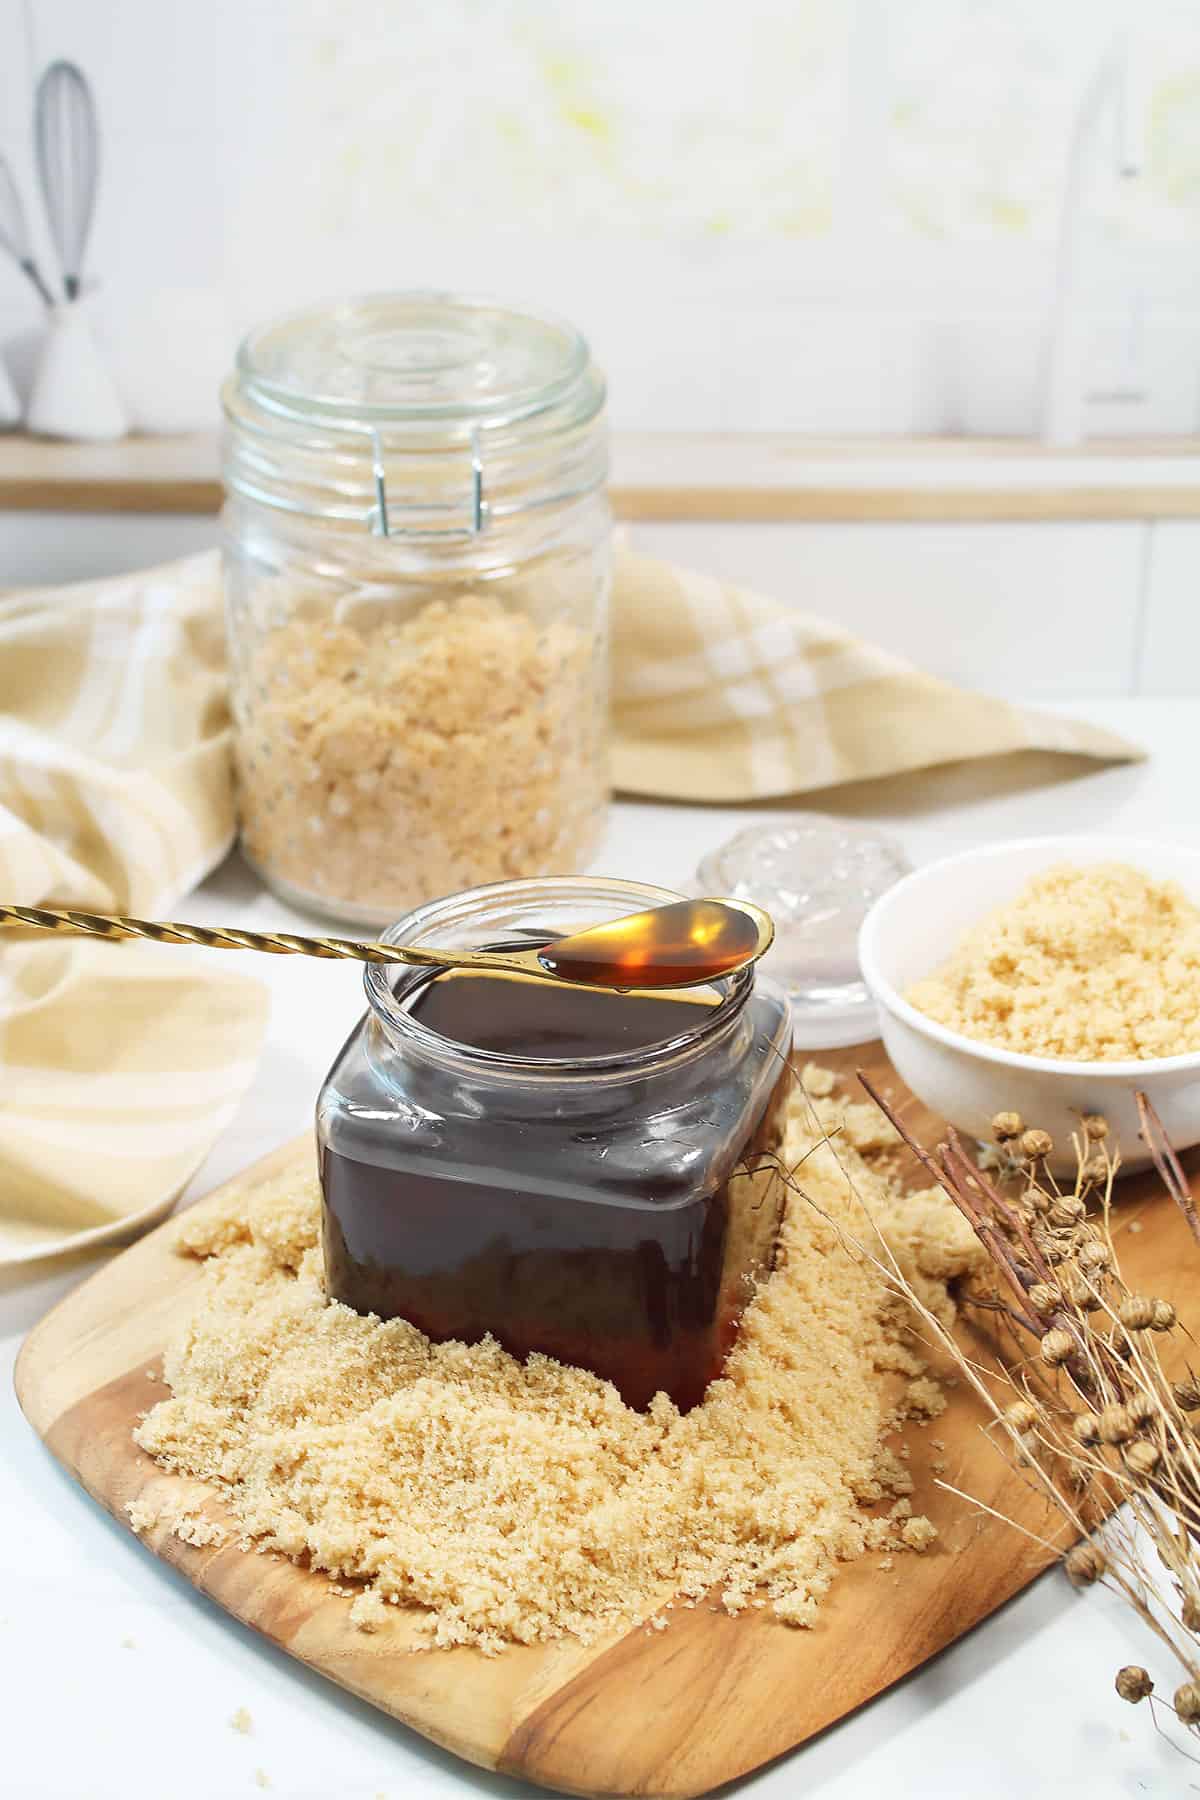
<point x="911" y="930"/>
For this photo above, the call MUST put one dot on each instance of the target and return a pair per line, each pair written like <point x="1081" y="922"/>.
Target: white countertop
<point x="119" y="1681"/>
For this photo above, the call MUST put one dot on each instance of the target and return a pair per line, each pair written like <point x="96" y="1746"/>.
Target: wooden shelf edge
<point x="718" y="479"/>
<point x="902" y="505"/>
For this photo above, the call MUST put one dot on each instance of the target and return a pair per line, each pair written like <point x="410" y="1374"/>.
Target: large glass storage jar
<point x="417" y="563"/>
<point x="590" y="1175"/>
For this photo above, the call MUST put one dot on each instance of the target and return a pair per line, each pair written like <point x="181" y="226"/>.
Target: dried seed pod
<point x="1057" y="1346"/>
<point x="1095" y="1254"/>
<point x="1036" y="1144"/>
<point x="1187" y="1394"/>
<point x="1043" y="1298"/>
<point x="1084" y="1564"/>
<point x="1189" y="1614"/>
<point x="1040" y="1201"/>
<point x="1116" y="1425"/>
<point x="1142" y="1409"/>
<point x="1078" y="1292"/>
<point x="1021" y="1416"/>
<point x="1086" y="1427"/>
<point x="1095" y="1168"/>
<point x="1133" y="1683"/>
<point x="1187" y="1702"/>
<point x="1136" y="1312"/>
<point x="1007" y="1125"/>
<point x="1095" y="1126"/>
<point x="1142" y="1457"/>
<point x="1164" y="1316"/>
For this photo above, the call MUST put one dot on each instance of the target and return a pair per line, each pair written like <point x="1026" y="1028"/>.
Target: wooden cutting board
<point x="676" y="1712"/>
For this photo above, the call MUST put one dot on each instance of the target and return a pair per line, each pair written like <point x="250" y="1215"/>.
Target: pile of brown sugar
<point x="387" y="761"/>
<point x="521" y="1502"/>
<point x="1097" y="964"/>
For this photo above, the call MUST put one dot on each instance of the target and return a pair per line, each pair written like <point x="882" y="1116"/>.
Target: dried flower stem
<point x="1126" y="1468"/>
<point x="1166" y="1162"/>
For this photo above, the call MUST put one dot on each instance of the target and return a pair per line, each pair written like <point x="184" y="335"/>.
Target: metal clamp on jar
<point x="417" y="565"/>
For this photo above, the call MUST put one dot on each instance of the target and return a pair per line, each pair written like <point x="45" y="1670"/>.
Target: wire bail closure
<point x="380" y="520"/>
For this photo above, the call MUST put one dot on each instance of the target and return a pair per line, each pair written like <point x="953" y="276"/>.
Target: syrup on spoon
<point x="680" y="945"/>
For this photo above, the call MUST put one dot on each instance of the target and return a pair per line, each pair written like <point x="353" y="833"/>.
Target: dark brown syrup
<point x="666" y="947"/>
<point x="623" y="1238"/>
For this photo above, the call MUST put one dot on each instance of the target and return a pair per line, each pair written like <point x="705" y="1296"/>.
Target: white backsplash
<point x="790" y="215"/>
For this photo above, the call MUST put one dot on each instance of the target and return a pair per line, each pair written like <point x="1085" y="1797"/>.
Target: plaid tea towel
<point x="119" y="1064"/>
<point x="116" y="793"/>
<point x="720" y="694"/>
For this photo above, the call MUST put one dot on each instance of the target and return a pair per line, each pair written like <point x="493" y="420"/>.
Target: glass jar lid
<point x="426" y="413"/>
<point x="818" y="877"/>
<point x="399" y="358"/>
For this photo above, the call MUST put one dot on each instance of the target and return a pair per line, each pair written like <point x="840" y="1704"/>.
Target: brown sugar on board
<point x="516" y="1503"/>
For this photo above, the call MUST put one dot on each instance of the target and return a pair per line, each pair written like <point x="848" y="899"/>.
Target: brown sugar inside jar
<point x="589" y="1175"/>
<point x="417" y="569"/>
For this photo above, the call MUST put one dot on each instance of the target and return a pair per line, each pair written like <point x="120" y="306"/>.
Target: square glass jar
<point x="611" y="1210"/>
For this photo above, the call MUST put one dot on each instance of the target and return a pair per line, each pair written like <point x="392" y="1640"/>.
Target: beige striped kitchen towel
<point x="115" y="779"/>
<point x="119" y="1064"/>
<point x="115" y="784"/>
<point x="720" y="694"/>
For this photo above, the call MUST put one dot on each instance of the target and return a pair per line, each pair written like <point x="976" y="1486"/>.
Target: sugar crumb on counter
<point x="918" y="1534"/>
<point x="177" y="1517"/>
<point x="242" y="1721"/>
<point x="817" y="1082"/>
<point x="487" y="1501"/>
<point x="924" y="1399"/>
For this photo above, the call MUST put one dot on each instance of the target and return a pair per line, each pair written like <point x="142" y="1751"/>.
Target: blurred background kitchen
<point x="899" y="304"/>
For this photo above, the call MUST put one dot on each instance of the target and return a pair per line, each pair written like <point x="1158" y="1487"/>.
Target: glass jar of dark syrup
<point x="587" y="1174"/>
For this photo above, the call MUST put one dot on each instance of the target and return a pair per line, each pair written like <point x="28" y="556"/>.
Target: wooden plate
<point x="644" y="1712"/>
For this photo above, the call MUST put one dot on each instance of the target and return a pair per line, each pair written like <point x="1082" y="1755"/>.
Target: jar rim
<point x="421" y="356"/>
<point x="475" y="903"/>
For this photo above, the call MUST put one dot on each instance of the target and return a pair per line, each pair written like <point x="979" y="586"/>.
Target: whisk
<point x="67" y="142"/>
<point x="14" y="232"/>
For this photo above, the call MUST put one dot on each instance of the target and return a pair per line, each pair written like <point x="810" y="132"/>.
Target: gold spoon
<point x="683" y="944"/>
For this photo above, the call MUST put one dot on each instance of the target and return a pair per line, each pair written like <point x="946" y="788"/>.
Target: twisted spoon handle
<point x="209" y="937"/>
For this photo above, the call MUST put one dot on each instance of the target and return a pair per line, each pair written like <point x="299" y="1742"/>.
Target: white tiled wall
<point x="765" y="216"/>
<point x="1053" y="610"/>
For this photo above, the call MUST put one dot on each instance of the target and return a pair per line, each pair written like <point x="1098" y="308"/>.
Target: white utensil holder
<point x="74" y="395"/>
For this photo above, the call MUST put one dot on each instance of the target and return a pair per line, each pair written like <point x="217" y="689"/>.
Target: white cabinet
<point x="42" y="549"/>
<point x="1169" y="662"/>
